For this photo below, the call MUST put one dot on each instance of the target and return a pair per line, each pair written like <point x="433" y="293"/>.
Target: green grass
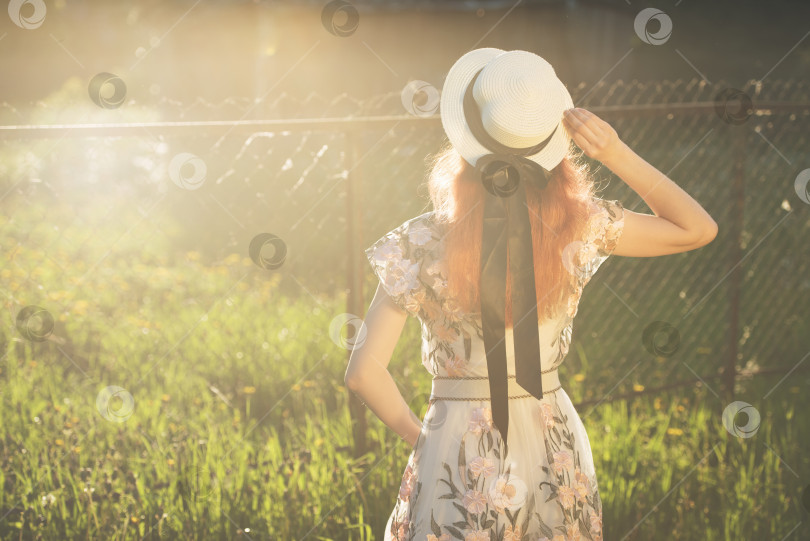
<point x="241" y="421"/>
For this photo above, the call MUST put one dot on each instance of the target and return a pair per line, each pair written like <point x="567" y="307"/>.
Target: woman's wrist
<point x="416" y="430"/>
<point x="618" y="155"/>
<point x="415" y="437"/>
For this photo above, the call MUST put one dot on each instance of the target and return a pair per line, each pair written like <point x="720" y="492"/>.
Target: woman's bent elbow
<point x="352" y="383"/>
<point x="710" y="234"/>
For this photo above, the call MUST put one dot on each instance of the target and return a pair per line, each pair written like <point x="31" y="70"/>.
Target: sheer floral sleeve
<point x="396" y="259"/>
<point x="604" y="228"/>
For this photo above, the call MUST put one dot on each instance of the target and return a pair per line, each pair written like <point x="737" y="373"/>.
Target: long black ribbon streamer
<point x="507" y="223"/>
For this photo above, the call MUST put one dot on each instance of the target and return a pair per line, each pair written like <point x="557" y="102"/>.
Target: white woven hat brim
<point x="455" y="125"/>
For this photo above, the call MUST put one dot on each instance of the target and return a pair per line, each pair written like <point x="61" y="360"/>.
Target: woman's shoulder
<point x="427" y="218"/>
<point x="423" y="229"/>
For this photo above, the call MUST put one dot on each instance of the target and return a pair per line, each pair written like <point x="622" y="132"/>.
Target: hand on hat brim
<point x="593" y="135"/>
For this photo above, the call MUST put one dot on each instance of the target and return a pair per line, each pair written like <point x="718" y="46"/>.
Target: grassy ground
<point x="239" y="426"/>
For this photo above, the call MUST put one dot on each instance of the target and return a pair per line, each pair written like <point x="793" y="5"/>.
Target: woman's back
<point x="459" y="471"/>
<point x="410" y="263"/>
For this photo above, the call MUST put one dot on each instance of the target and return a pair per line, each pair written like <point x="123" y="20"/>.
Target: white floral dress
<point x="457" y="483"/>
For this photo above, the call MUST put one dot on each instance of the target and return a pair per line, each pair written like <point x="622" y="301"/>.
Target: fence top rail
<point x="351" y="123"/>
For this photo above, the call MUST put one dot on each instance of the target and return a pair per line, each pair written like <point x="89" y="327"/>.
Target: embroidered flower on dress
<point x="455" y="366"/>
<point x="402" y="531"/>
<point x="512" y="535"/>
<point x="402" y="277"/>
<point x="415" y="301"/>
<point x="596" y="522"/>
<point x="582" y="485"/>
<point x="475" y="501"/>
<point x="432" y="311"/>
<point x="480" y="420"/>
<point x="507" y="492"/>
<point x="562" y="461"/>
<point x="389" y="250"/>
<point x="406" y="486"/>
<point x="573" y="301"/>
<point x="477" y="535"/>
<point x="419" y="234"/>
<point x="439" y="285"/>
<point x="452" y="310"/>
<point x="565" y="339"/>
<point x="443" y="537"/>
<point x="435" y="268"/>
<point x="548" y="414"/>
<point x="572" y="532"/>
<point x="445" y="333"/>
<point x="587" y="252"/>
<point x="482" y="465"/>
<point x="566" y="495"/>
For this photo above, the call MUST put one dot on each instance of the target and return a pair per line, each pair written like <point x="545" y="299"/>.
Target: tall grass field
<point x="177" y="399"/>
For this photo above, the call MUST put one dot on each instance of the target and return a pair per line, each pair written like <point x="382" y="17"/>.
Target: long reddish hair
<point x="458" y="196"/>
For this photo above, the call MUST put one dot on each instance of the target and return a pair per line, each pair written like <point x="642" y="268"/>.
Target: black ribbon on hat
<point x="507" y="223"/>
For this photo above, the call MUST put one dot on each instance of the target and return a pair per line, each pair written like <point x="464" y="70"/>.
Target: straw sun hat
<point x="521" y="102"/>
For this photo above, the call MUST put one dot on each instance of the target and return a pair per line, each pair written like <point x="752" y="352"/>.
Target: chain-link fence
<point x="331" y="176"/>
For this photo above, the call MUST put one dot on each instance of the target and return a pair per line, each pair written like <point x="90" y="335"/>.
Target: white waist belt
<point x="477" y="388"/>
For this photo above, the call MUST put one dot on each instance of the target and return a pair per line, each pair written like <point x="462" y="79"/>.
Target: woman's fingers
<point x="594" y="123"/>
<point x="581" y="141"/>
<point x="580" y="132"/>
<point x="581" y="122"/>
<point x="592" y="134"/>
<point x="577" y="123"/>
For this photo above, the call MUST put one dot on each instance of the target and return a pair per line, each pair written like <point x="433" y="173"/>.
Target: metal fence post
<point x="354" y="301"/>
<point x="735" y="280"/>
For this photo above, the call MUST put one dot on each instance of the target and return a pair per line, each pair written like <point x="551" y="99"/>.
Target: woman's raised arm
<point x="679" y="224"/>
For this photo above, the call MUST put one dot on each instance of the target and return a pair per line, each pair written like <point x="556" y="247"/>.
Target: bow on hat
<point x="507" y="223"/>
